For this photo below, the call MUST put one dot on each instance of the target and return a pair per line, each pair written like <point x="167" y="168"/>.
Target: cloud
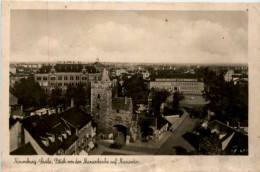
<point x="178" y="41"/>
<point x="136" y="37"/>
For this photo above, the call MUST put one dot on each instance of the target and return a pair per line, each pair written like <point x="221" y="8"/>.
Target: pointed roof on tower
<point x="105" y="77"/>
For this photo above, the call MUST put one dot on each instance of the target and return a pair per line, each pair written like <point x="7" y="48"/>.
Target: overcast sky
<point x="129" y="36"/>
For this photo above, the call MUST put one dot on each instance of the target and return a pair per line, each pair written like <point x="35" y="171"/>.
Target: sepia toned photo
<point x="92" y="92"/>
<point x="102" y="86"/>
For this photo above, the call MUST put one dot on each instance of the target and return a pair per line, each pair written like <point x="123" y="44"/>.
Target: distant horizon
<point x="142" y="63"/>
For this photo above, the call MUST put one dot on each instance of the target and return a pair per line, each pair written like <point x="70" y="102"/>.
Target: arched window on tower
<point x="98" y="96"/>
<point x="98" y="107"/>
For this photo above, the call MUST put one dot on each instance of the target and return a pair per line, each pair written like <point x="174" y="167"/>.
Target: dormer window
<point x="51" y="137"/>
<point x="60" y="137"/>
<point x="45" y="141"/>
<point x="64" y="134"/>
<point x="68" y="131"/>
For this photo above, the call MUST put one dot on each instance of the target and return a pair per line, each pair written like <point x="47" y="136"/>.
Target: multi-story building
<point x="68" y="133"/>
<point x="187" y="85"/>
<point x="63" y="75"/>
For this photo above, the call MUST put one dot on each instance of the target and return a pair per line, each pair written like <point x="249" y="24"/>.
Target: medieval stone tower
<point x="101" y="102"/>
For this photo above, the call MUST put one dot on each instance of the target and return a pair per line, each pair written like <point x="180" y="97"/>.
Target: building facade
<point x="63" y="75"/>
<point x="185" y="85"/>
<point x="68" y="133"/>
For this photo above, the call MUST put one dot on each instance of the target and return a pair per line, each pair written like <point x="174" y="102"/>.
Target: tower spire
<point x="105" y="77"/>
<point x="97" y="59"/>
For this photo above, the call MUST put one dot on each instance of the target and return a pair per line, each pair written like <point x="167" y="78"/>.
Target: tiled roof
<point x="76" y="117"/>
<point x="56" y="124"/>
<point x="232" y="136"/>
<point x="162" y="75"/>
<point x="68" y="68"/>
<point x="67" y="143"/>
<point x="45" y="69"/>
<point x="105" y="77"/>
<point x="26" y="149"/>
<point x="121" y="103"/>
<point x="98" y="64"/>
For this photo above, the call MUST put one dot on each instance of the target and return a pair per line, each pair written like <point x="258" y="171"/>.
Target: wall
<point x="185" y="87"/>
<point x="14" y="133"/>
<point x="37" y="148"/>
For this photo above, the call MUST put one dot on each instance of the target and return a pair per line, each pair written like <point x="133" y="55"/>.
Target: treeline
<point x="30" y="94"/>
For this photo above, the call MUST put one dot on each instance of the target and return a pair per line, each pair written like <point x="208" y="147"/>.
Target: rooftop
<point x="26" y="149"/>
<point x="68" y="68"/>
<point x="42" y="127"/>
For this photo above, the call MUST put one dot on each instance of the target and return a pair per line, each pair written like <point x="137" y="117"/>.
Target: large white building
<point x="185" y="85"/>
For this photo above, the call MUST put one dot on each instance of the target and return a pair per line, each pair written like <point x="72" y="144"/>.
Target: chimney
<point x="238" y="125"/>
<point x="125" y="100"/>
<point x="72" y="102"/>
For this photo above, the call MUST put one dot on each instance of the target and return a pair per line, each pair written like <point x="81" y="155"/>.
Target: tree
<point x="55" y="99"/>
<point x="136" y="88"/>
<point x="145" y="121"/>
<point x="228" y="101"/>
<point x="159" y="97"/>
<point x="78" y="94"/>
<point x="29" y="93"/>
<point x="177" y="97"/>
<point x="210" y="145"/>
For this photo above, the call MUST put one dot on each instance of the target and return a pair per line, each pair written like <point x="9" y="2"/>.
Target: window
<point x="65" y="77"/>
<point x="53" y="78"/>
<point x="98" y="96"/>
<point x="84" y="78"/>
<point x="59" y="77"/>
<point x="52" y="84"/>
<point x="45" y="78"/>
<point x="71" y="78"/>
<point x="117" y="110"/>
<point x="97" y="116"/>
<point x="39" y="78"/>
<point x="98" y="107"/>
<point x="77" y="77"/>
<point x="59" y="84"/>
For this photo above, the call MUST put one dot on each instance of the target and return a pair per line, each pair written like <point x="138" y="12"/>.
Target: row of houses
<point x="70" y="132"/>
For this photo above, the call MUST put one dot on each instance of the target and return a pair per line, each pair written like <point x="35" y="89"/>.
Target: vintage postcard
<point x="123" y="86"/>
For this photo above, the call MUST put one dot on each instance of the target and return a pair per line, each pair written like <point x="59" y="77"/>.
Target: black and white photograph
<point x="128" y="82"/>
<point x="130" y="86"/>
